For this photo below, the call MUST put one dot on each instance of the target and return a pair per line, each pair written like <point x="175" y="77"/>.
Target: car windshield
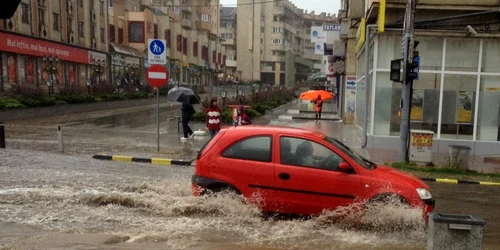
<point x="356" y="157"/>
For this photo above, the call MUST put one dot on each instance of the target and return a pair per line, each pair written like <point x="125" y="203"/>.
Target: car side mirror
<point x="344" y="167"/>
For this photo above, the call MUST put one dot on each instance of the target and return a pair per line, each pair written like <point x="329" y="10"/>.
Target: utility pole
<point x="408" y="48"/>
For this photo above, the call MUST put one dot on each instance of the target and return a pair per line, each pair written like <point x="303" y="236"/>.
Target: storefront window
<point x="390" y="48"/>
<point x="360" y="97"/>
<point x="491" y="53"/>
<point x="488" y="127"/>
<point x="431" y="52"/>
<point x="462" y="54"/>
<point x="21" y="67"/>
<point x="425" y="100"/>
<point x="59" y="73"/>
<point x="458" y="106"/>
<point x="30" y="70"/>
<point x="11" y="68"/>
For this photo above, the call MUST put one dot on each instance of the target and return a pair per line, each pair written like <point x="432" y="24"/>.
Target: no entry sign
<point x="157" y="75"/>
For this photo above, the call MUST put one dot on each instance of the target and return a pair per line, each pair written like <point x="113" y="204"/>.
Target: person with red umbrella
<point x="318" y="106"/>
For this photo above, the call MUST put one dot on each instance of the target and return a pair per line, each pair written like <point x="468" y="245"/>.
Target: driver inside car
<point x="305" y="158"/>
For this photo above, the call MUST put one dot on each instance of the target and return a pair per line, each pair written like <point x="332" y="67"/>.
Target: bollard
<point x="60" y="138"/>
<point x="2" y="135"/>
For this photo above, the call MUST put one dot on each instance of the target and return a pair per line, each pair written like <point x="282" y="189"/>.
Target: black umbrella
<point x="183" y="95"/>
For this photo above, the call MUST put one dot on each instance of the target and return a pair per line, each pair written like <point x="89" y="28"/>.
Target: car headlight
<point x="424" y="193"/>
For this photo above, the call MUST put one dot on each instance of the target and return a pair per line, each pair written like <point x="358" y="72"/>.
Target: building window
<point x="168" y="38"/>
<point x="103" y="35"/>
<point x="112" y="33"/>
<point x="262" y="30"/>
<point x="204" y="17"/>
<point x="136" y="32"/>
<point x="195" y="49"/>
<point x="488" y="126"/>
<point x="155" y="31"/>
<point x="56" y="26"/>
<point x="277" y="30"/>
<point x="81" y="27"/>
<point x="41" y="16"/>
<point x="80" y="3"/>
<point x="276" y="41"/>
<point x="101" y="7"/>
<point x="110" y="3"/>
<point x="184" y="46"/>
<point x="120" y="35"/>
<point x="25" y="13"/>
<point x="467" y="59"/>
<point x="214" y="56"/>
<point x="176" y="9"/>
<point x="179" y="43"/>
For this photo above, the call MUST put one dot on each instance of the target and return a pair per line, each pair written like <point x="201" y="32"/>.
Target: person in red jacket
<point x="318" y="107"/>
<point x="213" y="117"/>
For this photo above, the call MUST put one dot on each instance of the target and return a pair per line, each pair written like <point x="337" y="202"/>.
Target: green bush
<point x="10" y="103"/>
<point x="252" y="113"/>
<point x="199" y="116"/>
<point x="61" y="103"/>
<point x="259" y="108"/>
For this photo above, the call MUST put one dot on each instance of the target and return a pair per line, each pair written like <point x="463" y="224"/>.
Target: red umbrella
<point x="313" y="95"/>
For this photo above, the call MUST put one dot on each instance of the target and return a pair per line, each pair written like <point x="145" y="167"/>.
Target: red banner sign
<point x="34" y="47"/>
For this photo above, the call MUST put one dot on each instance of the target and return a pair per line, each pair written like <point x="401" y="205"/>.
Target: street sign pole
<point x="157" y="75"/>
<point x="158" y="117"/>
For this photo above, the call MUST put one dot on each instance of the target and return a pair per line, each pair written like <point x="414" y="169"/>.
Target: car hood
<point x="398" y="177"/>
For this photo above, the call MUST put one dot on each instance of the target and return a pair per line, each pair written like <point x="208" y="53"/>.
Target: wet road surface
<point x="60" y="201"/>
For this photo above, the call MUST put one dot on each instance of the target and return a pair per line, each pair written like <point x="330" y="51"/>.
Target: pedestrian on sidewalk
<point x="318" y="106"/>
<point x="187" y="112"/>
<point x="243" y="118"/>
<point x="213" y="118"/>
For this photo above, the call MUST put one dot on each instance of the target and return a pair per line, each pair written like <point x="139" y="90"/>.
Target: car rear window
<point x="255" y="148"/>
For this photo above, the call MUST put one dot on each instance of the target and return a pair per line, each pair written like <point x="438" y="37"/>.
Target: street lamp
<point x="223" y="94"/>
<point x="256" y="94"/>
<point x="51" y="68"/>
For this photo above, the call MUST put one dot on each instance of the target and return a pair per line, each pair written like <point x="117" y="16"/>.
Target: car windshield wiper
<point x="372" y="164"/>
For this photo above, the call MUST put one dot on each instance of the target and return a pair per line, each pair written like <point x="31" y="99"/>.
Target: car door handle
<point x="284" y="176"/>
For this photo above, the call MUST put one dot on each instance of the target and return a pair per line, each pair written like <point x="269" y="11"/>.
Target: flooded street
<point x="51" y="200"/>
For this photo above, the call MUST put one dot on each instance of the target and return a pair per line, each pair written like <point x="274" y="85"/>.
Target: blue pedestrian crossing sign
<point x="156" y="51"/>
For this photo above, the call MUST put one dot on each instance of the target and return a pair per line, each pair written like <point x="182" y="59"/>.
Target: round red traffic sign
<point x="157" y="75"/>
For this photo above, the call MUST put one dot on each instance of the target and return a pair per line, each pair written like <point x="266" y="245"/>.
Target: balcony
<point x="186" y="8"/>
<point x="279" y="47"/>
<point x="203" y="9"/>
<point x="312" y="57"/>
<point x="186" y="24"/>
<point x="227" y="41"/>
<point x="200" y="25"/>
<point x="231" y="63"/>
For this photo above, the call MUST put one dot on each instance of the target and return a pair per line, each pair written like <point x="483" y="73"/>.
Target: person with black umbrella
<point x="187" y="97"/>
<point x="187" y="112"/>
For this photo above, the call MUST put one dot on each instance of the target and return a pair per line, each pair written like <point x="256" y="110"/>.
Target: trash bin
<point x="455" y="231"/>
<point x="459" y="156"/>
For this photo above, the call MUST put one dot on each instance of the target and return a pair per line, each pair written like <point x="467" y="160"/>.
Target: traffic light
<point x="413" y="68"/>
<point x="396" y="70"/>
<point x="8" y="8"/>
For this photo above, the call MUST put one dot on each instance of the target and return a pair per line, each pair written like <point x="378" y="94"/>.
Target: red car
<point x="300" y="172"/>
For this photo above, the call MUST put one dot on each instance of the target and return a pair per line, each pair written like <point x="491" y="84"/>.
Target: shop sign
<point x="422" y="140"/>
<point x="132" y="61"/>
<point x="34" y="47"/>
<point x="118" y="60"/>
<point x="96" y="56"/>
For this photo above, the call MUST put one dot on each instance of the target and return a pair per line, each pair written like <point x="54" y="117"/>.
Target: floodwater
<point x="57" y="201"/>
<point x="53" y="201"/>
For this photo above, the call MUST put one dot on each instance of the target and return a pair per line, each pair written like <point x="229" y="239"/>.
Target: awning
<point x="122" y="49"/>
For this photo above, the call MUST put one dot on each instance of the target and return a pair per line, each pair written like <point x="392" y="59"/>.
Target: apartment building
<point x="311" y="19"/>
<point x="54" y="42"/>
<point x="190" y="28"/>
<point x="457" y="94"/>
<point x="228" y="33"/>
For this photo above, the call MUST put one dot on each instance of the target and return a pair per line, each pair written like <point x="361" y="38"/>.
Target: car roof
<point x="258" y="129"/>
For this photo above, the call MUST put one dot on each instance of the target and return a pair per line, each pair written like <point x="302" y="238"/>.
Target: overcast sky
<point x="328" y="6"/>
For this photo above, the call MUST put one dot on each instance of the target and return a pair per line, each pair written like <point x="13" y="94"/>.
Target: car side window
<point x="257" y="148"/>
<point x="307" y="153"/>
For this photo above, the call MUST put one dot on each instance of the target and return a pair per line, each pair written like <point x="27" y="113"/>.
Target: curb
<point x="312" y="118"/>
<point x="155" y="161"/>
<point x="452" y="181"/>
